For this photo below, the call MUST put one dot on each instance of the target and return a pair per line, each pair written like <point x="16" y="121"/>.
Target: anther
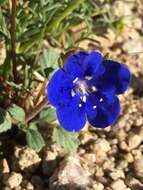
<point x="101" y="100"/>
<point x="79" y="105"/>
<point x="93" y="88"/>
<point x="94" y="107"/>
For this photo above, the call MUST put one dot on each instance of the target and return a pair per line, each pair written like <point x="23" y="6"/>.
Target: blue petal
<point x="72" y="117"/>
<point x="59" y="88"/>
<point x="91" y="64"/>
<point x="115" y="79"/>
<point x="106" y="111"/>
<point x="73" y="65"/>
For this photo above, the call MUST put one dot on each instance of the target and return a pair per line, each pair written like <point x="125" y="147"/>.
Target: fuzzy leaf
<point x="17" y="113"/>
<point x="48" y="115"/>
<point x="49" y="61"/>
<point x="34" y="138"/>
<point x="66" y="140"/>
<point x="5" y="121"/>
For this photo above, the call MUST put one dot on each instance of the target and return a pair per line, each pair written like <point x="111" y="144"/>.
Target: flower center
<point x="82" y="87"/>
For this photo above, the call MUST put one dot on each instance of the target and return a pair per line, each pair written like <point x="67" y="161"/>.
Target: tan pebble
<point x="99" y="172"/>
<point x="134" y="141"/>
<point x="26" y="158"/>
<point x="138" y="167"/>
<point x="117" y="174"/>
<point x="123" y="164"/>
<point x="90" y="157"/>
<point x="102" y="144"/>
<point x="29" y="186"/>
<point x="108" y="165"/>
<point x="131" y="182"/>
<point x="13" y="180"/>
<point x="141" y="133"/>
<point x="137" y="22"/>
<point x="70" y="171"/>
<point x="136" y="153"/>
<point x="129" y="158"/>
<point x="98" y="186"/>
<point x="123" y="145"/>
<point x="121" y="135"/>
<point x="4" y="167"/>
<point x="118" y="185"/>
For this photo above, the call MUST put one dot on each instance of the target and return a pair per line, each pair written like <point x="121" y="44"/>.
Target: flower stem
<point x="36" y="110"/>
<point x="13" y="39"/>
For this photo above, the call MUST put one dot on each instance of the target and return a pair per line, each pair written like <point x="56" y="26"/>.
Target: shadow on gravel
<point x="137" y="187"/>
<point x="137" y="85"/>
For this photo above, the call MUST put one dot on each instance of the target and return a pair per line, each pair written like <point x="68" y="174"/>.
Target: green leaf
<point x="48" y="61"/>
<point x="34" y="138"/>
<point x="5" y="121"/>
<point x="3" y="25"/>
<point x="55" y="22"/>
<point x="48" y="115"/>
<point x="17" y="113"/>
<point x="66" y="140"/>
<point x="1" y="2"/>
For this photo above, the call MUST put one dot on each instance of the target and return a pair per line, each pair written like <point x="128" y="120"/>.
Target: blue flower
<point x="86" y="89"/>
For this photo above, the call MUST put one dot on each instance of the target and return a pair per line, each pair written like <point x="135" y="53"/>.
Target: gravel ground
<point x="111" y="158"/>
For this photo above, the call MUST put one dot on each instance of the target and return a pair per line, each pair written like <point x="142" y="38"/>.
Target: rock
<point x="141" y="133"/>
<point x="133" y="46"/>
<point x="123" y="145"/>
<point x="123" y="164"/>
<point x="129" y="158"/>
<point x="98" y="186"/>
<point x="137" y="23"/>
<point x="134" y="183"/>
<point x="121" y="9"/>
<point x="102" y="145"/>
<point x="25" y="159"/>
<point x="4" y="167"/>
<point x="134" y="141"/>
<point x="13" y="180"/>
<point x="18" y="188"/>
<point x="121" y="135"/>
<point x="136" y="153"/>
<point x="109" y="164"/>
<point x="99" y="172"/>
<point x="138" y="167"/>
<point x="69" y="173"/>
<point x="117" y="174"/>
<point x="38" y="182"/>
<point x="118" y="185"/>
<point x="29" y="186"/>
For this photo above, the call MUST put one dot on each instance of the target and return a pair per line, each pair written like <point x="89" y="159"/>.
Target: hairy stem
<point x="36" y="110"/>
<point x="13" y="39"/>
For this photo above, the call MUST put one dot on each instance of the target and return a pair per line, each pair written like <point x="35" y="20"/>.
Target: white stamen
<point x="94" y="107"/>
<point x="88" y="77"/>
<point x="75" y="80"/>
<point x="79" y="105"/>
<point x="84" y="98"/>
<point x="72" y="93"/>
<point x="101" y="100"/>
